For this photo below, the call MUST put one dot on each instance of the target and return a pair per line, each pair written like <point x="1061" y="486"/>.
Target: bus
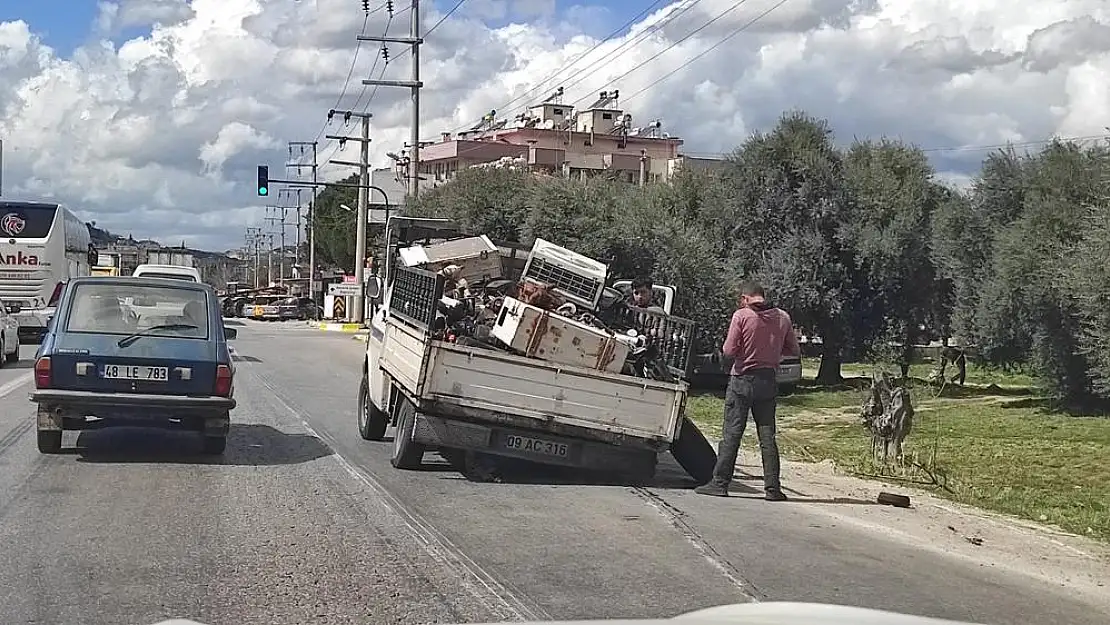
<point x="42" y="246"/>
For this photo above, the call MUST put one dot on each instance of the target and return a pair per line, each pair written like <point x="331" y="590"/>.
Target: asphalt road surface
<point x="303" y="522"/>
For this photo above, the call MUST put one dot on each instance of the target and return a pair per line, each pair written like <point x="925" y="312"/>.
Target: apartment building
<point x="555" y="138"/>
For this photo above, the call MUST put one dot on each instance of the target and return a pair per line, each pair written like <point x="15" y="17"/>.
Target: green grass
<point x="996" y="448"/>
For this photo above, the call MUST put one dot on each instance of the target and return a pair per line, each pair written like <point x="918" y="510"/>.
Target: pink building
<point x="554" y="138"/>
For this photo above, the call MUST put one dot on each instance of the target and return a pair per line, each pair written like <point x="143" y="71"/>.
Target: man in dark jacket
<point x="759" y="335"/>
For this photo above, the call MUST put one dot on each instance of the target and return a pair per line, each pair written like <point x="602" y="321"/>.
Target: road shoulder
<point x="935" y="524"/>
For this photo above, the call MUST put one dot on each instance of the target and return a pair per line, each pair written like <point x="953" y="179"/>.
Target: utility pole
<point x="414" y="40"/>
<point x="311" y="222"/>
<point x="254" y="240"/>
<point x="358" y="311"/>
<point x="270" y="260"/>
<point x="280" y="222"/>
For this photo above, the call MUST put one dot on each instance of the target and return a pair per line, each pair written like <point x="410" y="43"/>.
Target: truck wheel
<point x="407" y="453"/>
<point x="214" y="445"/>
<point x="694" y="453"/>
<point x="371" y="421"/>
<point x="50" y="441"/>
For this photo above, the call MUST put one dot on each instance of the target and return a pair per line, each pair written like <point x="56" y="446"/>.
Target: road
<point x="304" y="522"/>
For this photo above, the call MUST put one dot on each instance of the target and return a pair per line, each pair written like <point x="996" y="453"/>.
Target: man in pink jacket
<point x="759" y="335"/>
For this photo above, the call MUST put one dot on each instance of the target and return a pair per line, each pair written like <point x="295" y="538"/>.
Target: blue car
<point x="135" y="351"/>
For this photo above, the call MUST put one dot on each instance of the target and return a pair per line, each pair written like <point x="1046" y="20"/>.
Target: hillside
<point x="102" y="238"/>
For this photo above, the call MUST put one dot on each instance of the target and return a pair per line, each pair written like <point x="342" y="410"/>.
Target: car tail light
<point x="57" y="294"/>
<point x="223" y="380"/>
<point x="42" y="372"/>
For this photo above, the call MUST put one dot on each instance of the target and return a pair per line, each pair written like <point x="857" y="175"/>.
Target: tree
<point x="1026" y="314"/>
<point x="1086" y="277"/>
<point x="491" y="201"/>
<point x="335" y="226"/>
<point x="788" y="198"/>
<point x="888" y="225"/>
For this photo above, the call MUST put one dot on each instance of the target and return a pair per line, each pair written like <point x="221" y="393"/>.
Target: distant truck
<point x="170" y="257"/>
<point x="172" y="272"/>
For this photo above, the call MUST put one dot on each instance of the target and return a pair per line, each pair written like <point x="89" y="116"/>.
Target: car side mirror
<point x="13" y="308"/>
<point x="230" y="333"/>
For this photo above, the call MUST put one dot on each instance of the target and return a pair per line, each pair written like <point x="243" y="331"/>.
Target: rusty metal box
<point x="544" y="335"/>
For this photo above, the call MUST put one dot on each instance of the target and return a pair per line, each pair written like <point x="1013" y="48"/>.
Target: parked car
<point x="9" y="332"/>
<point x="135" y="351"/>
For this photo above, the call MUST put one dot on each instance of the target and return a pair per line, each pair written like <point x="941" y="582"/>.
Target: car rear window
<point x="125" y="309"/>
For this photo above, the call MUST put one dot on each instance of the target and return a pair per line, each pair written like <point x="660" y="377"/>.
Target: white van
<point x="172" y="272"/>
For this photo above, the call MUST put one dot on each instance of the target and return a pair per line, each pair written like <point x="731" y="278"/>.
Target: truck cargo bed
<point x="489" y="385"/>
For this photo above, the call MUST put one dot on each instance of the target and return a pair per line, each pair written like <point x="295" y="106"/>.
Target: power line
<point x="624" y="46"/>
<point x="383" y="53"/>
<point x="445" y="16"/>
<point x="350" y="72"/>
<point x="703" y="52"/>
<point x="688" y="35"/>
<point x="620" y="29"/>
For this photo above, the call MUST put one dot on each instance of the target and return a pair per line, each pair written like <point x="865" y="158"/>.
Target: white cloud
<point x="159" y="135"/>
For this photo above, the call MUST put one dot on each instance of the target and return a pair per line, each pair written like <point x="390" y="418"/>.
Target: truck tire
<point x="694" y="452"/>
<point x="407" y="453"/>
<point x="50" y="441"/>
<point x="372" y="422"/>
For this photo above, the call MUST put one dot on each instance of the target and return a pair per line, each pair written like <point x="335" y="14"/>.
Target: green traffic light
<point x="263" y="191"/>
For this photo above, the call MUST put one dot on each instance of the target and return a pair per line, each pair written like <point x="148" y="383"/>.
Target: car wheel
<point x="214" y="445"/>
<point x="372" y="422"/>
<point x="407" y="453"/>
<point x="50" y="441"/>
<point x="14" y="356"/>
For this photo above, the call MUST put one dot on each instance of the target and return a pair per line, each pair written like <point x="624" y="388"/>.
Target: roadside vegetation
<point x="995" y="443"/>
<point x="866" y="247"/>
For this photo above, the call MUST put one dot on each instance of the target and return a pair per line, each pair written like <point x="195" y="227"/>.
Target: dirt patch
<point x="989" y="539"/>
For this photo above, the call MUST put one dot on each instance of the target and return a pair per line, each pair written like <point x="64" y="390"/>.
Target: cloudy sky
<point x="149" y="116"/>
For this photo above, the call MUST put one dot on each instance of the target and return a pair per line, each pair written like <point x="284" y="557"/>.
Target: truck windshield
<point x="125" y="309"/>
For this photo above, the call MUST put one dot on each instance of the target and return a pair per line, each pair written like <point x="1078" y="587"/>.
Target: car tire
<point x="694" y="453"/>
<point x="214" y="445"/>
<point x="49" y="441"/>
<point x="372" y="422"/>
<point x="14" y="356"/>
<point x="407" y="453"/>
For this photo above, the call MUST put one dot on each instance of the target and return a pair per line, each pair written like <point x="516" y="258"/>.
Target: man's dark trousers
<point x="757" y="391"/>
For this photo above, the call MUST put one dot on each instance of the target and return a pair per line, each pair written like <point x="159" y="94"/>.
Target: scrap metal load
<point x="558" y="309"/>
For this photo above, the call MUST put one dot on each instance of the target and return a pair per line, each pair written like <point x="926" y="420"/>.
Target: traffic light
<point x="263" y="180"/>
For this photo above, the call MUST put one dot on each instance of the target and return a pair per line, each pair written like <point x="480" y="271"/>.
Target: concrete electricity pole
<point x="254" y="241"/>
<point x="279" y="221"/>
<point x="270" y="260"/>
<point x="311" y="222"/>
<point x="357" y="312"/>
<point x="414" y="40"/>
